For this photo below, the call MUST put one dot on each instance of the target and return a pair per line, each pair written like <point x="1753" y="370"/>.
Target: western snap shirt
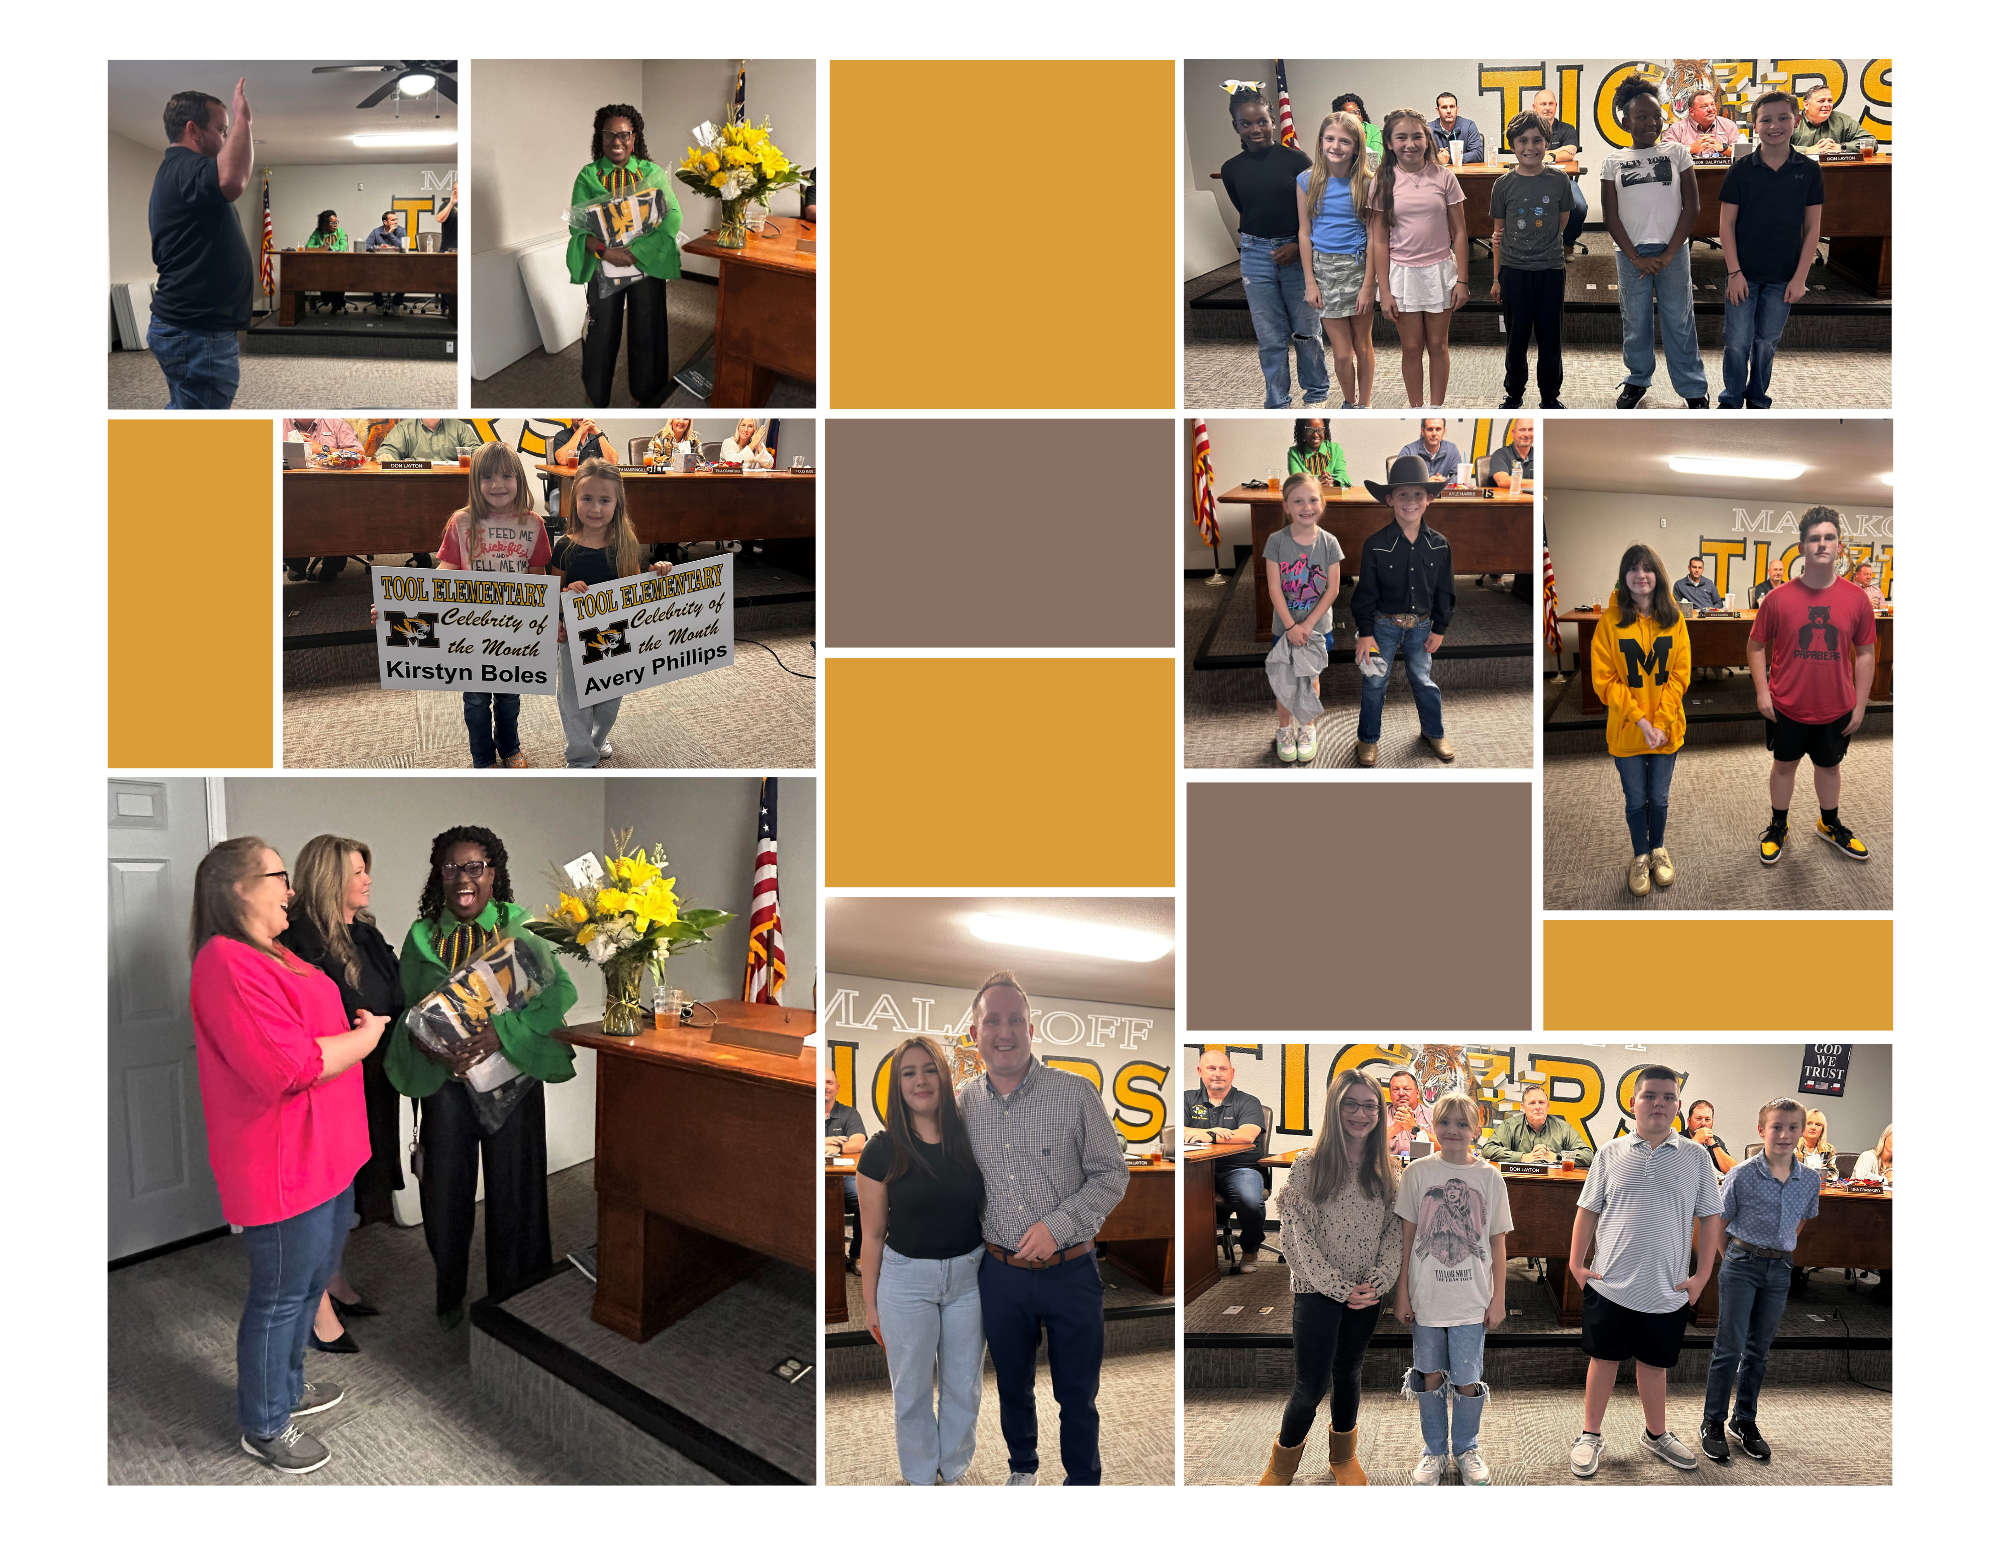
<point x="1397" y="575"/>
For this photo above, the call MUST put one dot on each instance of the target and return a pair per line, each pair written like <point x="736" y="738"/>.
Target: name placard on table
<point x="1523" y="1167"/>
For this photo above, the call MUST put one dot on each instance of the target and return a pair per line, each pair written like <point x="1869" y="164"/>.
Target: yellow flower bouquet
<point x="736" y="163"/>
<point x="626" y="921"/>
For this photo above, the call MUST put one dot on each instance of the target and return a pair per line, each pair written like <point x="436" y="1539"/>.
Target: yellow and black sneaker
<point x="1844" y="840"/>
<point x="1771" y="846"/>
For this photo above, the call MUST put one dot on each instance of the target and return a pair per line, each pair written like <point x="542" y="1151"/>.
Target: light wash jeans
<point x="586" y="731"/>
<point x="1750" y="334"/>
<point x="1751" y="1290"/>
<point x="202" y="368"/>
<point x="1417" y="665"/>
<point x="1673" y="288"/>
<point x="1284" y="321"/>
<point x="931" y="1331"/>
<point x="1459" y="1353"/>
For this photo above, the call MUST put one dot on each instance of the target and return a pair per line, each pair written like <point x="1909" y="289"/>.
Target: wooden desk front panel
<point x="1716" y="641"/>
<point x="834" y="1263"/>
<point x="1851" y="1230"/>
<point x="370" y="273"/>
<point x="713" y="506"/>
<point x="1199" y="1271"/>
<point x="765" y="318"/>
<point x="328" y="513"/>
<point x="1139" y="1234"/>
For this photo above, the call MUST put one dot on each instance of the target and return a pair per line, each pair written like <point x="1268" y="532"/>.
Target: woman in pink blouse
<point x="287" y="1129"/>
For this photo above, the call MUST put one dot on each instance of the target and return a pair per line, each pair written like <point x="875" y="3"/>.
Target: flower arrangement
<point x="736" y="162"/>
<point x="627" y="920"/>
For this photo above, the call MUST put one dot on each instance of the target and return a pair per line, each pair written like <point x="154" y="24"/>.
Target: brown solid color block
<point x="1377" y="909"/>
<point x="1001" y="533"/>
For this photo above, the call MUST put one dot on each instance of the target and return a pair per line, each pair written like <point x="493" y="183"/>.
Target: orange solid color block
<point x="1590" y="966"/>
<point x="1000" y="772"/>
<point x="190" y="643"/>
<point x="971" y="268"/>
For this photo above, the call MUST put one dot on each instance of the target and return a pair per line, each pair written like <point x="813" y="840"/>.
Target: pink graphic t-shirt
<point x="508" y="543"/>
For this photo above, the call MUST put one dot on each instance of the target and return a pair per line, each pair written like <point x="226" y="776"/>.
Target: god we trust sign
<point x="628" y="634"/>
<point x="439" y="630"/>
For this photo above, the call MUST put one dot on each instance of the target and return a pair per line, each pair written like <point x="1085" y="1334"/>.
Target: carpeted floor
<point x="280" y="383"/>
<point x="411" y="1416"/>
<point x="750" y="714"/>
<point x="1135" y="1405"/>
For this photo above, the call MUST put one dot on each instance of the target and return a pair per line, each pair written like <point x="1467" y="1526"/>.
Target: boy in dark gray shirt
<point x="1529" y="207"/>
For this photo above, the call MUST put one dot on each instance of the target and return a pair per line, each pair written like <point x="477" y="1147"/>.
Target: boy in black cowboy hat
<point x="1403" y="601"/>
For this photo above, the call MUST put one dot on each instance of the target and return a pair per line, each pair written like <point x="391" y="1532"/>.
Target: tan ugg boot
<point x="1284" y="1464"/>
<point x="1340" y="1459"/>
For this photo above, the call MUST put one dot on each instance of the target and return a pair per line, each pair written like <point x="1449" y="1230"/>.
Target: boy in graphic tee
<point x="1812" y="658"/>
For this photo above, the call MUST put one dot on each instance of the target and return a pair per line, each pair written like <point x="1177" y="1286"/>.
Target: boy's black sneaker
<point x="1629" y="395"/>
<point x="1552" y="403"/>
<point x="1748" y="1438"/>
<point x="1510" y="402"/>
<point x="1771" y="846"/>
<point x="1695" y="402"/>
<point x="1843" y="839"/>
<point x="1713" y="1442"/>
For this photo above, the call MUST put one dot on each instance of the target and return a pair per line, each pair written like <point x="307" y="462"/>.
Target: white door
<point x="160" y="1183"/>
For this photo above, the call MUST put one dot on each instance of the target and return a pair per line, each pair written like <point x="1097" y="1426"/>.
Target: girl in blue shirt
<point x="1333" y="245"/>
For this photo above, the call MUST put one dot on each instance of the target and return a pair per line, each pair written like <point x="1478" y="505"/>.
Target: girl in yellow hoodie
<point x="1639" y="666"/>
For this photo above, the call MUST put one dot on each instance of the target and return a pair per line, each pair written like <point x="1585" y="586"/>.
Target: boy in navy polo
<point x="1770" y="233"/>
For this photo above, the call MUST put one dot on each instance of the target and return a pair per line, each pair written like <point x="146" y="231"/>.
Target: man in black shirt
<point x="1564" y="146"/>
<point x="447" y="219"/>
<point x="845" y="1137"/>
<point x="205" y="286"/>
<point x="1218" y="1112"/>
<point x="1403" y="600"/>
<point x="1262" y="183"/>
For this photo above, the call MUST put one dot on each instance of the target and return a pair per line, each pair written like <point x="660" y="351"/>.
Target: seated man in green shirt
<point x="1821" y="128"/>
<point x="428" y="439"/>
<point x="1531" y="1135"/>
<point x="1315" y="454"/>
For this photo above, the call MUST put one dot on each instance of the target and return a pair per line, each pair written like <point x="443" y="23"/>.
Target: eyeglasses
<point x="627" y="137"/>
<point x="471" y="871"/>
<point x="1358" y="1108"/>
<point x="279" y="874"/>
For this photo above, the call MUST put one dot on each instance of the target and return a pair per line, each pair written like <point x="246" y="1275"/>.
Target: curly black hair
<point x="431" y="906"/>
<point x="1630" y="89"/>
<point x="619" y="110"/>
<point x="1360" y="110"/>
<point x="1299" y="432"/>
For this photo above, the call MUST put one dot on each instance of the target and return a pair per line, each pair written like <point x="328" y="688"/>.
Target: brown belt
<point x="1756" y="1250"/>
<point x="1407" y="619"/>
<point x="1008" y="1257"/>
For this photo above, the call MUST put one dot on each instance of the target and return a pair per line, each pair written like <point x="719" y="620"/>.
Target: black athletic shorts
<point x="1787" y="740"/>
<point x="1614" y="1333"/>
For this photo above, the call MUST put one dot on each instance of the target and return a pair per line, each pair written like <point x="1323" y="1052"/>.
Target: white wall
<point x="795" y="437"/>
<point x="1125" y="1047"/>
<point x="1586" y="1083"/>
<point x="129" y="171"/>
<point x="1589" y="532"/>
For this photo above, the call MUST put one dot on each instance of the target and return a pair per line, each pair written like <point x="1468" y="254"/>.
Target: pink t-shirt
<point x="1421" y="234"/>
<point x="508" y="544"/>
<point x="1812" y="636"/>
<point x="280" y="1141"/>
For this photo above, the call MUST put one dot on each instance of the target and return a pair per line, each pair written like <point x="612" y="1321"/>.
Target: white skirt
<point x="1423" y="289"/>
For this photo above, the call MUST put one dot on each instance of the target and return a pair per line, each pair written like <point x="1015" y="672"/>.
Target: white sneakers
<point x="1430" y="1469"/>
<point x="1307" y="742"/>
<point x="1584" y="1453"/>
<point x="1472" y="1469"/>
<point x="1287" y="742"/>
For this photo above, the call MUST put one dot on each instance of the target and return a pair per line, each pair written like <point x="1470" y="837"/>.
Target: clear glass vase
<point x="624" y="978"/>
<point x="735" y="231"/>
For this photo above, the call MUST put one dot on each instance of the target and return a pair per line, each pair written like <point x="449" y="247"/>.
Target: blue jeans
<point x="201" y="367"/>
<point x="1459" y="1353"/>
<point x="1752" y="1293"/>
<point x="1673" y="288"/>
<point x="1243" y="1189"/>
<point x="930" y="1315"/>
<point x="1646" y="779"/>
<point x="1017" y="1305"/>
<point x="1750" y="334"/>
<point x="1283" y="320"/>
<point x="492" y="719"/>
<point x="1417" y="665"/>
<point x="290" y="1263"/>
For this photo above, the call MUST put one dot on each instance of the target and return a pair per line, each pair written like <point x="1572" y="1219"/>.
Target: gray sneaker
<point x="319" y="1396"/>
<point x="1669" y="1448"/>
<point x="1584" y="1453"/>
<point x="290" y="1451"/>
<point x="1020" y="1477"/>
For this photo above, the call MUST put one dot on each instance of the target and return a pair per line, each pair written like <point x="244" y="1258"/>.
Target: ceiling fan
<point x="407" y="78"/>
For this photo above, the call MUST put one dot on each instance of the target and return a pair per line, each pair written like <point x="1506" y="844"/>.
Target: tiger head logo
<point x="412" y="630"/>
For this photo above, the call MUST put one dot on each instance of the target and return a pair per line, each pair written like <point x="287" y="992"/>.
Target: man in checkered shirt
<point x="1054" y="1170"/>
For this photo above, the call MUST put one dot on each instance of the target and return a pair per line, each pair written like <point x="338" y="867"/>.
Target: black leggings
<point x="1328" y="1342"/>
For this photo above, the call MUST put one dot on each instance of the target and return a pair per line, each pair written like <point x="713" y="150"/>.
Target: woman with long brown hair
<point x="1344" y="1243"/>
<point x="1639" y="664"/>
<point x="921" y="1195"/>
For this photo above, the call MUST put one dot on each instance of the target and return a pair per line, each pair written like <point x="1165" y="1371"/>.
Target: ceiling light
<point x="400" y="141"/>
<point x="1889" y="478"/>
<point x="416" y="83"/>
<point x="1711" y="466"/>
<point x="1043" y="933"/>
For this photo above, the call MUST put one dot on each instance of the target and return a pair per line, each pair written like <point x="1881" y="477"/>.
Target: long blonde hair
<point x="624" y="542"/>
<point x="319" y="895"/>
<point x="1385" y="179"/>
<point x="1327" y="1167"/>
<point x="1825" y="1134"/>
<point x="485" y="460"/>
<point x="1322" y="169"/>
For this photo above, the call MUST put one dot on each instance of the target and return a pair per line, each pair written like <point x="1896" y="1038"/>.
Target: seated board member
<point x="845" y="1137"/>
<point x="1218" y="1112"/>
<point x="1438" y="454"/>
<point x="1531" y="1135"/>
<point x="580" y="442"/>
<point x="1864" y="576"/>
<point x="428" y="439"/>
<point x="676" y="442"/>
<point x="747" y="446"/>
<point x="1701" y="1127"/>
<point x="1315" y="454"/>
<point x="1519" y="451"/>
<point x="1696" y="588"/>
<point x="1773" y="578"/>
<point x="1704" y="131"/>
<point x="386" y="237"/>
<point x="1451" y="125"/>
<point x="1821" y="128"/>
<point x="327" y="236"/>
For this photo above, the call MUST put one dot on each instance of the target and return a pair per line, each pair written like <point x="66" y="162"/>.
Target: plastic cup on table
<point x="1458" y="152"/>
<point x="465" y="460"/>
<point x="1568" y="1163"/>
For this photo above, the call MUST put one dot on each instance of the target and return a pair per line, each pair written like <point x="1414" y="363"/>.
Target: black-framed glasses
<point x="1357" y="1108"/>
<point x="471" y="871"/>
<point x="279" y="874"/>
<point x="626" y="137"/>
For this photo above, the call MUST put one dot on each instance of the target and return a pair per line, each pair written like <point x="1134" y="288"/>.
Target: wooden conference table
<point x="362" y="273"/>
<point x="765" y="312"/>
<point x="678" y="1222"/>
<point x="1487" y="536"/>
<point x="1199" y="1272"/>
<point x="711" y="506"/>
<point x="1726" y="641"/>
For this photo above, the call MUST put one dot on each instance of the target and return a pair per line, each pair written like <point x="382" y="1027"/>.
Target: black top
<point x="1771" y="212"/>
<point x="1717" y="1147"/>
<point x="1502" y="461"/>
<point x="1562" y="134"/>
<point x="448" y="233"/>
<point x="1263" y="185"/>
<point x="592" y="565"/>
<point x="206" y="276"/>
<point x="380" y="991"/>
<point x="1396" y="576"/>
<point x="932" y="1217"/>
<point x="844" y="1121"/>
<point x="594" y="446"/>
<point x="1235" y="1109"/>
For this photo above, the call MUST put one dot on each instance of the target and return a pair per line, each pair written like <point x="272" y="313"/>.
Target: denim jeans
<point x="1673" y="288"/>
<point x="1459" y="1353"/>
<point x="1417" y="665"/>
<point x="290" y="1263"/>
<point x="1750" y="334"/>
<point x="1329" y="1341"/>
<point x="1284" y="321"/>
<point x="201" y="367"/>
<point x="1646" y="779"/>
<point x="1751" y="1290"/>
<point x="1017" y="1306"/>
<point x="1243" y="1189"/>
<point x="492" y="720"/>
<point x="931" y="1331"/>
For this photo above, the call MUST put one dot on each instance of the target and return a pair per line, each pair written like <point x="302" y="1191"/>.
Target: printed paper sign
<point x="454" y="630"/>
<point x="627" y="634"/>
<point x="1824" y="1070"/>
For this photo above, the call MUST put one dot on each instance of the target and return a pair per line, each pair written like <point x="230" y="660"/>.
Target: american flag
<point x="1550" y="631"/>
<point x="1287" y="135"/>
<point x="764" y="974"/>
<point x="269" y="243"/>
<point x="1204" y="488"/>
<point x="736" y="106"/>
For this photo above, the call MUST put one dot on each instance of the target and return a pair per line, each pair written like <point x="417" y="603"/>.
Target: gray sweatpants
<point x="586" y="731"/>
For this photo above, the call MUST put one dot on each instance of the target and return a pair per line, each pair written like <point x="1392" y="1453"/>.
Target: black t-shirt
<point x="448" y="233"/>
<point x="932" y="1217"/>
<point x="1263" y="185"/>
<point x="1559" y="134"/>
<point x="595" y="565"/>
<point x="1771" y="213"/>
<point x="1236" y="1109"/>
<point x="844" y="1121"/>
<point x="594" y="446"/>
<point x="206" y="275"/>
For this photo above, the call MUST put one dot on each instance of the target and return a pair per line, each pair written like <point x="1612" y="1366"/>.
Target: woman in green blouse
<point x="332" y="238"/>
<point x="1316" y="454"/>
<point x="1350" y="103"/>
<point x="619" y="167"/>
